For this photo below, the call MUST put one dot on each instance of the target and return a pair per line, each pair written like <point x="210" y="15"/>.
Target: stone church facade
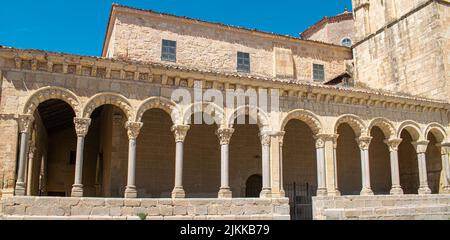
<point x="102" y="138"/>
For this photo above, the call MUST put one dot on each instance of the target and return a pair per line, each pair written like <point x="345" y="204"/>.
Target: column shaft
<point x="20" y="184"/>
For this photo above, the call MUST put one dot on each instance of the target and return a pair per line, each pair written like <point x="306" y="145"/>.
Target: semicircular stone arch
<point x="108" y="98"/>
<point x="412" y="128"/>
<point x="164" y="104"/>
<point x="386" y="126"/>
<point x="212" y="109"/>
<point x="305" y="116"/>
<point x="48" y="93"/>
<point x="263" y="119"/>
<point x="356" y="123"/>
<point x="437" y="130"/>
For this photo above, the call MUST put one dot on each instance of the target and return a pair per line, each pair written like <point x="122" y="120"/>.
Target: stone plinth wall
<point x="156" y="209"/>
<point x="405" y="207"/>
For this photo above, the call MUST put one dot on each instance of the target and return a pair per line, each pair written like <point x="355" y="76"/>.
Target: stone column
<point x="395" y="172"/>
<point x="320" y="158"/>
<point x="280" y="150"/>
<point x="445" y="151"/>
<point x="265" y="145"/>
<point x="363" y="143"/>
<point x="421" y="148"/>
<point x="331" y="176"/>
<point x="180" y="132"/>
<point x="25" y="122"/>
<point x="133" y="129"/>
<point x="81" y="128"/>
<point x="224" y="135"/>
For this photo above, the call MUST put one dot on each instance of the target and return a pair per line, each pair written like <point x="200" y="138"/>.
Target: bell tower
<point x="402" y="46"/>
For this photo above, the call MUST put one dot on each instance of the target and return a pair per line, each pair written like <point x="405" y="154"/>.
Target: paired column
<point x="265" y="145"/>
<point x="133" y="129"/>
<point x="330" y="145"/>
<point x="363" y="143"/>
<point x="180" y="132"/>
<point x="395" y="172"/>
<point x="320" y="158"/>
<point x="421" y="148"/>
<point x="81" y="129"/>
<point x="25" y="122"/>
<point x="445" y="151"/>
<point x="224" y="135"/>
<point x="282" y="193"/>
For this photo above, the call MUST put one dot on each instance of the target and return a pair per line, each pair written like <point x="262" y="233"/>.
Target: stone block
<point x="100" y="211"/>
<point x="179" y="210"/>
<point x="132" y="202"/>
<point x="282" y="210"/>
<point x="149" y="202"/>
<point x="80" y="210"/>
<point x="201" y="210"/>
<point x="114" y="202"/>
<point x="115" y="211"/>
<point x="165" y="210"/>
<point x="92" y="202"/>
<point x="178" y="217"/>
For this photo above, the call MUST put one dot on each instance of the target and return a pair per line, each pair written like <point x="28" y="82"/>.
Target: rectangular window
<point x="243" y="62"/>
<point x="169" y="50"/>
<point x="318" y="72"/>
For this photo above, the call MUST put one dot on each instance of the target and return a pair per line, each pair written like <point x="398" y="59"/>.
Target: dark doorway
<point x="300" y="199"/>
<point x="253" y="186"/>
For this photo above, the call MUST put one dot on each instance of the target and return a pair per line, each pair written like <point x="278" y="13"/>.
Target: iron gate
<point x="300" y="200"/>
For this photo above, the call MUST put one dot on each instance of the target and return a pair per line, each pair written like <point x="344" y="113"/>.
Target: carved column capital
<point x="180" y="132"/>
<point x="133" y="129"/>
<point x="320" y="141"/>
<point x="393" y="144"/>
<point x="265" y="138"/>
<point x="445" y="147"/>
<point x="421" y="146"/>
<point x="81" y="126"/>
<point x="224" y="135"/>
<point x="364" y="142"/>
<point x="280" y="136"/>
<point x="25" y="122"/>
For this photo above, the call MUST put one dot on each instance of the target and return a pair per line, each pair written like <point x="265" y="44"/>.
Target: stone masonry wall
<point x="334" y="32"/>
<point x="156" y="209"/>
<point x="408" y="56"/>
<point x="137" y="37"/>
<point x="387" y="207"/>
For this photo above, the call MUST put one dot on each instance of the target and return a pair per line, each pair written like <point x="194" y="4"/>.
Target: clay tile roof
<point x="320" y="24"/>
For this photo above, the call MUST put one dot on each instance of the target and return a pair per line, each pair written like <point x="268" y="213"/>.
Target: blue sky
<point x="78" y="26"/>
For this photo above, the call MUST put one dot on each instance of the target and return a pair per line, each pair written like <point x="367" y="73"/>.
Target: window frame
<point x="243" y="66"/>
<point x="168" y="55"/>
<point x="346" y="38"/>
<point x="313" y="72"/>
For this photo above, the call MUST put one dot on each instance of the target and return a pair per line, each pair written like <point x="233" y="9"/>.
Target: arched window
<point x="347" y="42"/>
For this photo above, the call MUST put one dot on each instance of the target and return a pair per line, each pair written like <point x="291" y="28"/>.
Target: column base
<point x="280" y="194"/>
<point x="321" y="192"/>
<point x="445" y="190"/>
<point x="178" y="192"/>
<point x="77" y="190"/>
<point x="397" y="190"/>
<point x="334" y="193"/>
<point x="266" y="193"/>
<point x="424" y="190"/>
<point x="366" y="192"/>
<point x="20" y="189"/>
<point x="7" y="192"/>
<point x="225" y="193"/>
<point x="131" y="192"/>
